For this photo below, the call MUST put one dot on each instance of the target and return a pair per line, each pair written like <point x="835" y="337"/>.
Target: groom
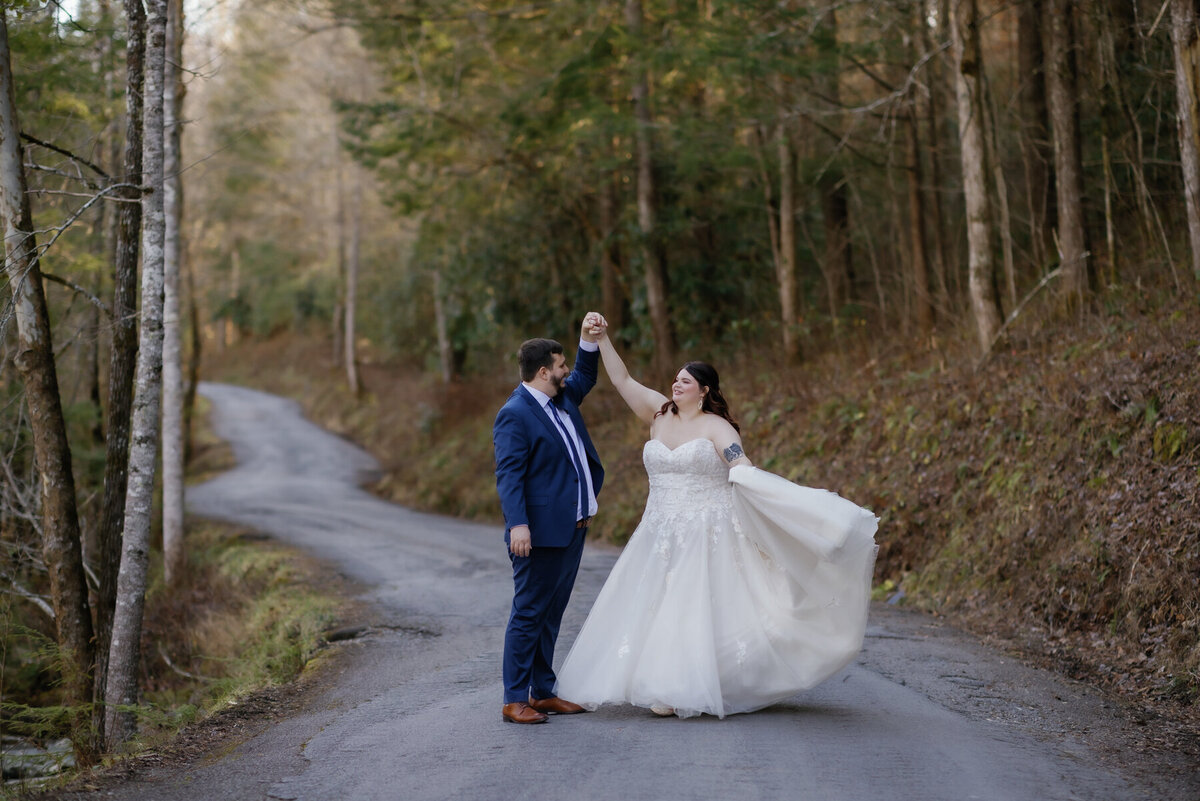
<point x="548" y="475"/>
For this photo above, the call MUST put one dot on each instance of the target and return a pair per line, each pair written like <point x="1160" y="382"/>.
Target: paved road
<point x="412" y="710"/>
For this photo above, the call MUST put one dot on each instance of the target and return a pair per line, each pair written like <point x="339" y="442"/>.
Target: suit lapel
<point x="540" y="414"/>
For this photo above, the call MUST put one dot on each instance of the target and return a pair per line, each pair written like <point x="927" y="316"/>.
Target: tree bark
<point x="838" y="263"/>
<point x="122" y="358"/>
<point x="1061" y="85"/>
<point x="352" y="265"/>
<point x="786" y="264"/>
<point x="172" y="369"/>
<point x="968" y="82"/>
<point x="1036" y="151"/>
<point x="933" y="119"/>
<point x="918" y="258"/>
<point x="612" y="297"/>
<point x="61" y="547"/>
<point x="445" y="352"/>
<point x="121" y="689"/>
<point x="1186" y="47"/>
<point x="653" y="263"/>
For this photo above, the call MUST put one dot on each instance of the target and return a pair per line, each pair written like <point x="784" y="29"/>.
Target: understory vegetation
<point x="246" y="615"/>
<point x="1046" y="497"/>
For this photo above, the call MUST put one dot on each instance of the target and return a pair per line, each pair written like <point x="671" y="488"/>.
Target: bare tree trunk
<point x="172" y="356"/>
<point x="933" y="120"/>
<point x="122" y="359"/>
<point x="1036" y="152"/>
<point x="786" y="264"/>
<point x="339" y="257"/>
<point x="195" y="353"/>
<point x="612" y="299"/>
<point x="968" y="81"/>
<point x="655" y="269"/>
<point x="445" y="352"/>
<point x="121" y="689"/>
<point x="352" y="265"/>
<point x="1186" y="47"/>
<point x="1061" y="87"/>
<point x="61" y="547"/>
<point x="837" y="263"/>
<point x="919" y="259"/>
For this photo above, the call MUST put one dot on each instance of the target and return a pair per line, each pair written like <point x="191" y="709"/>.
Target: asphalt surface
<point x="411" y="709"/>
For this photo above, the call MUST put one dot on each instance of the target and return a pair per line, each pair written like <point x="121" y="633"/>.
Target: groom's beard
<point x="556" y="382"/>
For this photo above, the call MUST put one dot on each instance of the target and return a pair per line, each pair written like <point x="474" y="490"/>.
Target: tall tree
<point x="172" y="356"/>
<point x="61" y="546"/>
<point x="837" y="263"/>
<point x="121" y="690"/>
<point x="969" y="88"/>
<point x="1037" y="153"/>
<point x="1185" y="43"/>
<point x="123" y="355"/>
<point x="1063" y="93"/>
<point x="652" y="255"/>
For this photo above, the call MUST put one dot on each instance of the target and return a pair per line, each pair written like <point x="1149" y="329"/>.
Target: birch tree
<point x="121" y="689"/>
<point x="969" y="87"/>
<point x="61" y="547"/>
<point x="123" y="355"/>
<point x="172" y="355"/>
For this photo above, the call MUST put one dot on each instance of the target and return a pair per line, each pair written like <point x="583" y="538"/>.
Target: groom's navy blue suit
<point x="538" y="486"/>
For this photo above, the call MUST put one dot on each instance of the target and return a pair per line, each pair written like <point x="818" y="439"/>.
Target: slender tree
<point x="1185" y="43"/>
<point x="121" y="690"/>
<point x="123" y="355"/>
<point x="652" y="256"/>
<point x="837" y="263"/>
<point x="969" y="87"/>
<point x="172" y="357"/>
<point x="1062" y="90"/>
<point x="1037" y="153"/>
<point x="786" y="263"/>
<point x="61" y="547"/>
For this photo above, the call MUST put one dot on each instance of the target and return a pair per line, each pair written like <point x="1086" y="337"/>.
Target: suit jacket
<point x="535" y="475"/>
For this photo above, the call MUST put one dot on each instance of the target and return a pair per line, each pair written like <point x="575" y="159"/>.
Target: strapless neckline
<point x="680" y="445"/>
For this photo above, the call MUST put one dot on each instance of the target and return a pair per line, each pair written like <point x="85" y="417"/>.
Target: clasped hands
<point x="594" y="327"/>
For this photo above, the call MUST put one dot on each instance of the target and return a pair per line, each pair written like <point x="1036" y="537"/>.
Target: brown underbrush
<point x="1046" y="497"/>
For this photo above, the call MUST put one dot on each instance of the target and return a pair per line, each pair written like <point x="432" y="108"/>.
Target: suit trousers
<point x="542" y="584"/>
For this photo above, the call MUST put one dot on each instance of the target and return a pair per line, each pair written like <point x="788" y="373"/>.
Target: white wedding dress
<point x="738" y="589"/>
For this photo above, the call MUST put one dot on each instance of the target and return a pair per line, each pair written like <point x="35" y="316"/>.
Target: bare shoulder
<point x="726" y="439"/>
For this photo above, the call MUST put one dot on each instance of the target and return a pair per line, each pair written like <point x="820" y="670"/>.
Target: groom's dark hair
<point x="536" y="354"/>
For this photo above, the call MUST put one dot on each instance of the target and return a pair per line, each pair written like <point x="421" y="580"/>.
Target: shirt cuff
<point x="592" y="347"/>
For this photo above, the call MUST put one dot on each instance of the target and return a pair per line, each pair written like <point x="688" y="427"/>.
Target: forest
<point x="917" y="231"/>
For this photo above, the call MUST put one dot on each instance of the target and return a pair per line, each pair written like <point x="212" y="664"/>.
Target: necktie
<point x="583" y="500"/>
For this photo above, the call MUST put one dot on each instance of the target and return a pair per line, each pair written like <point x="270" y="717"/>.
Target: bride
<point x="738" y="589"/>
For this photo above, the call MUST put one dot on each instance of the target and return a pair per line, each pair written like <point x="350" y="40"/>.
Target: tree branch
<point x="67" y="153"/>
<point x="95" y="301"/>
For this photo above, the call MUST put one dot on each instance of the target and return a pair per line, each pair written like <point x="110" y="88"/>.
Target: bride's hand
<point x="594" y="326"/>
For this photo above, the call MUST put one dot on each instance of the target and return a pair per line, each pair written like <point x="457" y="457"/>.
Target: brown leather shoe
<point x="555" y="706"/>
<point x="520" y="712"/>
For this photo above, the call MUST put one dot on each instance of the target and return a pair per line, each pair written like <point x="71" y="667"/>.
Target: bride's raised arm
<point x="641" y="399"/>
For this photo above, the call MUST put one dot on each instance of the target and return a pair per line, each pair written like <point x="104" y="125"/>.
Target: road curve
<point x="413" y="709"/>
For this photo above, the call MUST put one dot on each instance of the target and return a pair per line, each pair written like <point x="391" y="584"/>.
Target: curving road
<point x="412" y="710"/>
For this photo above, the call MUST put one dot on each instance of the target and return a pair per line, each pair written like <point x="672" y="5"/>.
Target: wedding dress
<point x="738" y="589"/>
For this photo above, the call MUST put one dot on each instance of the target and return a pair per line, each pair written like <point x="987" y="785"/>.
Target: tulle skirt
<point x="728" y="605"/>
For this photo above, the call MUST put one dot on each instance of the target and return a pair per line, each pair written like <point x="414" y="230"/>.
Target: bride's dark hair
<point x="711" y="401"/>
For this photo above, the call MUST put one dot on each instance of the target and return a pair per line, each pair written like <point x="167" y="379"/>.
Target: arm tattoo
<point x="734" y="451"/>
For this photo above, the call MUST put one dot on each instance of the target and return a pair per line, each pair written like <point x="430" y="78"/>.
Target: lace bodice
<point x="686" y="479"/>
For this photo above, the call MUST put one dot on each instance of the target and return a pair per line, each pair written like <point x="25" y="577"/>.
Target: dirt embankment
<point x="1046" y="499"/>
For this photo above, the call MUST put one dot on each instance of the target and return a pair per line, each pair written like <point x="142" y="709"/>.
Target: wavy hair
<point x="712" y="401"/>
